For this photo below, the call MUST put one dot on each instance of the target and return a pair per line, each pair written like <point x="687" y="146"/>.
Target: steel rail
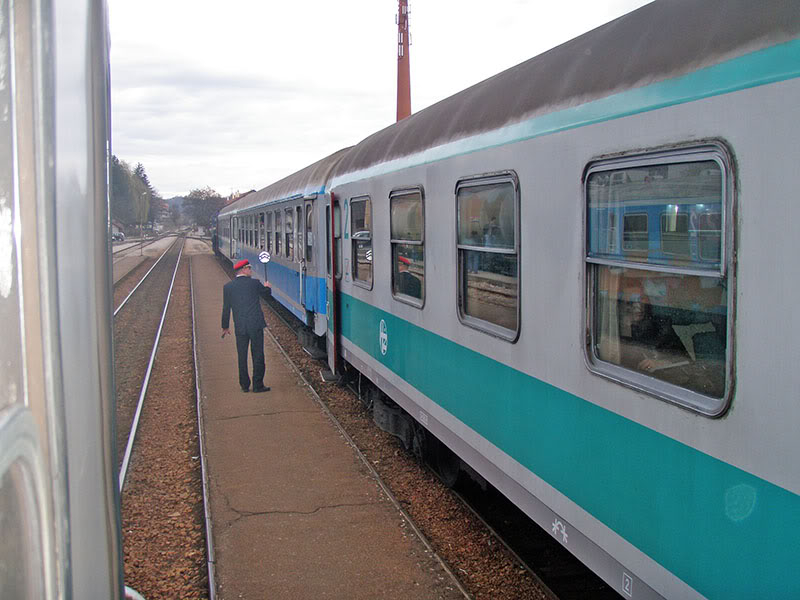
<point x="141" y="281"/>
<point x="210" y="556"/>
<point x="135" y="425"/>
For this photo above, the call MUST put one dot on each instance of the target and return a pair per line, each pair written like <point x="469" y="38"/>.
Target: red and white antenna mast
<point x="403" y="63"/>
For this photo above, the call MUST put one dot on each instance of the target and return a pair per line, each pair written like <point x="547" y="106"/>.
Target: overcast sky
<point x="235" y="95"/>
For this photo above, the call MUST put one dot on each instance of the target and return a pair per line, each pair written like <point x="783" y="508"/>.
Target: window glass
<point x="668" y="326"/>
<point x="662" y="207"/>
<point x="659" y="307"/>
<point x="488" y="255"/>
<point x="709" y="234"/>
<point x="361" y="230"/>
<point x="408" y="250"/>
<point x="278" y="232"/>
<point x="269" y="232"/>
<point x="289" y="234"/>
<point x="298" y="222"/>
<point x="309" y="235"/>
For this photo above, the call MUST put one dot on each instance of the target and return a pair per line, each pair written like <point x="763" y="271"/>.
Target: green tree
<point x="122" y="206"/>
<point x="201" y="205"/>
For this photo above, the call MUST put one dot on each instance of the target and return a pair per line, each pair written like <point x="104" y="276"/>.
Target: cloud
<point x="236" y="95"/>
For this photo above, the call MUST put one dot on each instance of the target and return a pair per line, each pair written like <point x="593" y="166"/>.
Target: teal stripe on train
<point x="725" y="532"/>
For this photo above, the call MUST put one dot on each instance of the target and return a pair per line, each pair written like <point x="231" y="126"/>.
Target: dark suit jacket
<point x="243" y="296"/>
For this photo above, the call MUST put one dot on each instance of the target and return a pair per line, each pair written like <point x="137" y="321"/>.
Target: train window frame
<point x="462" y="276"/>
<point x="686" y="392"/>
<point x="355" y="243"/>
<point x="396" y="242"/>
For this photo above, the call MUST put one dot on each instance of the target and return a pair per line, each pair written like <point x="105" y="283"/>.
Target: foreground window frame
<point x="407" y="246"/>
<point x="679" y="296"/>
<point x="477" y="253"/>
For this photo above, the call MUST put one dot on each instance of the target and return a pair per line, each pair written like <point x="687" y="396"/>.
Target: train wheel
<point x="444" y="461"/>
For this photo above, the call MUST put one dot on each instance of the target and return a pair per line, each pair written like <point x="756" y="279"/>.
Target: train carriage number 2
<point x="627" y="584"/>
<point x="383" y="338"/>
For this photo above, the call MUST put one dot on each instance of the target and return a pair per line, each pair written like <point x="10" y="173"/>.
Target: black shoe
<point x="263" y="388"/>
<point x="246" y="389"/>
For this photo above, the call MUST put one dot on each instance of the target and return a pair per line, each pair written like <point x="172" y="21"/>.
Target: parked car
<point x="118" y="237"/>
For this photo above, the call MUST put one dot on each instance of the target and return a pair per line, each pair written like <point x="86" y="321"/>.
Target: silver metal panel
<point x="84" y="305"/>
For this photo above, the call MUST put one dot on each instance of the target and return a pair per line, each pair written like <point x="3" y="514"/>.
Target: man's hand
<point x="225" y="332"/>
<point x="267" y="284"/>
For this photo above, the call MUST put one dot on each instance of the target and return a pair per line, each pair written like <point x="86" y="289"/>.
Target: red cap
<point x="403" y="260"/>
<point x="241" y="264"/>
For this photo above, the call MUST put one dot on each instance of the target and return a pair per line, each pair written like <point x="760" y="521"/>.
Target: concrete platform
<point x="295" y="512"/>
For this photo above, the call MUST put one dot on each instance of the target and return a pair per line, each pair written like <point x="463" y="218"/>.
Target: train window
<point x="407" y="224"/>
<point x="337" y="216"/>
<point x="298" y="223"/>
<point x="269" y="232"/>
<point x="634" y="233"/>
<point x="309" y="235"/>
<point x="488" y="254"/>
<point x="361" y="231"/>
<point x="278" y="232"/>
<point x="675" y="232"/>
<point x="658" y="310"/>
<point x="289" y="234"/>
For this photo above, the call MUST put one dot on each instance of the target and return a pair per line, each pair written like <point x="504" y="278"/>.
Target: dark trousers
<point x="255" y="339"/>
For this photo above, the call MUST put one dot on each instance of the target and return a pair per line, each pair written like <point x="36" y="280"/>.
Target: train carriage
<point x="572" y="275"/>
<point x="284" y="220"/>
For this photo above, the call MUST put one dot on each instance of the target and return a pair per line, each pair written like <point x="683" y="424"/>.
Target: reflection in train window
<point x="675" y="232"/>
<point x="408" y="246"/>
<point x="634" y="233"/>
<point x="488" y="254"/>
<point x="361" y="232"/>
<point x="659" y="319"/>
<point x="709" y="233"/>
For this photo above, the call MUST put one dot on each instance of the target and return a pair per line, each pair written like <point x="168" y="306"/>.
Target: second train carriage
<point x="284" y="220"/>
<point x="571" y="275"/>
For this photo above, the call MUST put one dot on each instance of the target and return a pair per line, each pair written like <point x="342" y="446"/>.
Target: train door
<point x="311" y="299"/>
<point x="299" y="225"/>
<point x="333" y="228"/>
<point x="234" y="236"/>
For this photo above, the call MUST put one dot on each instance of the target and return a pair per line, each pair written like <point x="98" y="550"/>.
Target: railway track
<point x="160" y="476"/>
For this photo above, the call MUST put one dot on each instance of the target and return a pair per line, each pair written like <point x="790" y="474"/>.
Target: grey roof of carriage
<point x="659" y="41"/>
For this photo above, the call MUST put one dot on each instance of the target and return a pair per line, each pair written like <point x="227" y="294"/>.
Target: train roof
<point x="660" y="41"/>
<point x="308" y="181"/>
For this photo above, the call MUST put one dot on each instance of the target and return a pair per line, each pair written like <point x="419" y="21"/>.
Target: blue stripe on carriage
<point x="725" y="532"/>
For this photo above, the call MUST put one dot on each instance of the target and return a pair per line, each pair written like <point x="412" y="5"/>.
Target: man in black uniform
<point x="243" y="295"/>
